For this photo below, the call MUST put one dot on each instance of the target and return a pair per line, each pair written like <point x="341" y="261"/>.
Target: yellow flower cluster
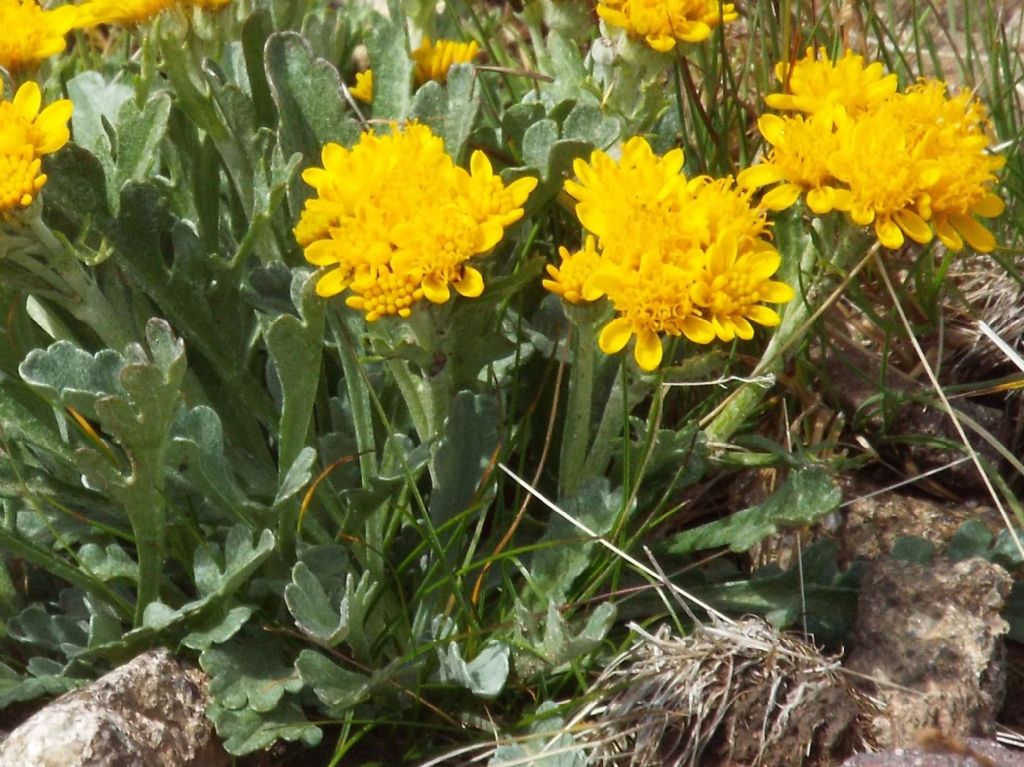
<point x="912" y="164"/>
<point x="32" y="34"/>
<point x="674" y="256"/>
<point x="432" y="60"/>
<point x="663" y="23"/>
<point x="129" y="12"/>
<point x="26" y="134"/>
<point x="394" y="220"/>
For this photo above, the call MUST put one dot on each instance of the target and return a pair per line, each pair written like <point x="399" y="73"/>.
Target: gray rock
<point x="930" y="639"/>
<point x="148" y="712"/>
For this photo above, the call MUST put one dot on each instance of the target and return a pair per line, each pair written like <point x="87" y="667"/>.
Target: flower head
<point x="663" y="23"/>
<point x="129" y="12"/>
<point x="433" y="60"/>
<point x="912" y="164"/>
<point x="395" y="221"/>
<point x="32" y="34"/>
<point x="569" y="278"/>
<point x="26" y="134"/>
<point x="815" y="84"/>
<point x="363" y="89"/>
<point x="674" y="257"/>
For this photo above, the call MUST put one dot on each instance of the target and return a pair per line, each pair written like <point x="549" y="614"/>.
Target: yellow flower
<point x="26" y="134"/>
<point x="568" y="279"/>
<point x="394" y="220"/>
<point x="433" y="60"/>
<point x="958" y="170"/>
<point x="817" y="85"/>
<point x="731" y="286"/>
<point x="911" y="165"/>
<point x="129" y="12"/>
<point x="32" y="34"/>
<point x="674" y="257"/>
<point x="649" y="300"/>
<point x="798" y="162"/>
<point x="363" y="89"/>
<point x="663" y="23"/>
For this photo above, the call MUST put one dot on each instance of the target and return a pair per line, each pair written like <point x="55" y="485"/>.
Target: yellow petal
<point x="775" y="292"/>
<point x="332" y="283"/>
<point x="29" y="98"/>
<point x="989" y="206"/>
<point x="480" y="165"/>
<point x="762" y="315"/>
<point x="435" y="289"/>
<point x="759" y="175"/>
<point x="743" y="328"/>
<point x="915" y="227"/>
<point x="615" y="335"/>
<point x="947" y="234"/>
<point x="781" y="197"/>
<point x="772" y="127"/>
<point x="724" y="330"/>
<point x="698" y="330"/>
<point x="472" y="283"/>
<point x="977" y="236"/>
<point x="889" y="234"/>
<point x="821" y="200"/>
<point x="648" y="351"/>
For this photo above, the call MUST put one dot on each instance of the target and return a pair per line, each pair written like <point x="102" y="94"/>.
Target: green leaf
<point x="314" y="612"/>
<point x="15" y="688"/>
<point x="97" y="104"/>
<point x="808" y="495"/>
<point x="392" y="67"/>
<point x="249" y="672"/>
<point x="241" y="559"/>
<point x="22" y="421"/>
<point x="484" y="676"/>
<point x="562" y="553"/>
<point x="586" y="122"/>
<point x="336" y="687"/>
<point x="108" y="563"/>
<point x="518" y="118"/>
<point x="469" y="441"/>
<point x="449" y="110"/>
<point x="76" y="189"/>
<point x="307" y="91"/>
<point x="912" y="548"/>
<point x="297" y="476"/>
<point x="68" y="376"/>
<point x="973" y="539"/>
<point x="562" y="646"/>
<point x="217" y="628"/>
<point x="139" y="133"/>
<point x="295" y="345"/>
<point x="245" y="731"/>
<point x="549" y="745"/>
<point x="198" y="442"/>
